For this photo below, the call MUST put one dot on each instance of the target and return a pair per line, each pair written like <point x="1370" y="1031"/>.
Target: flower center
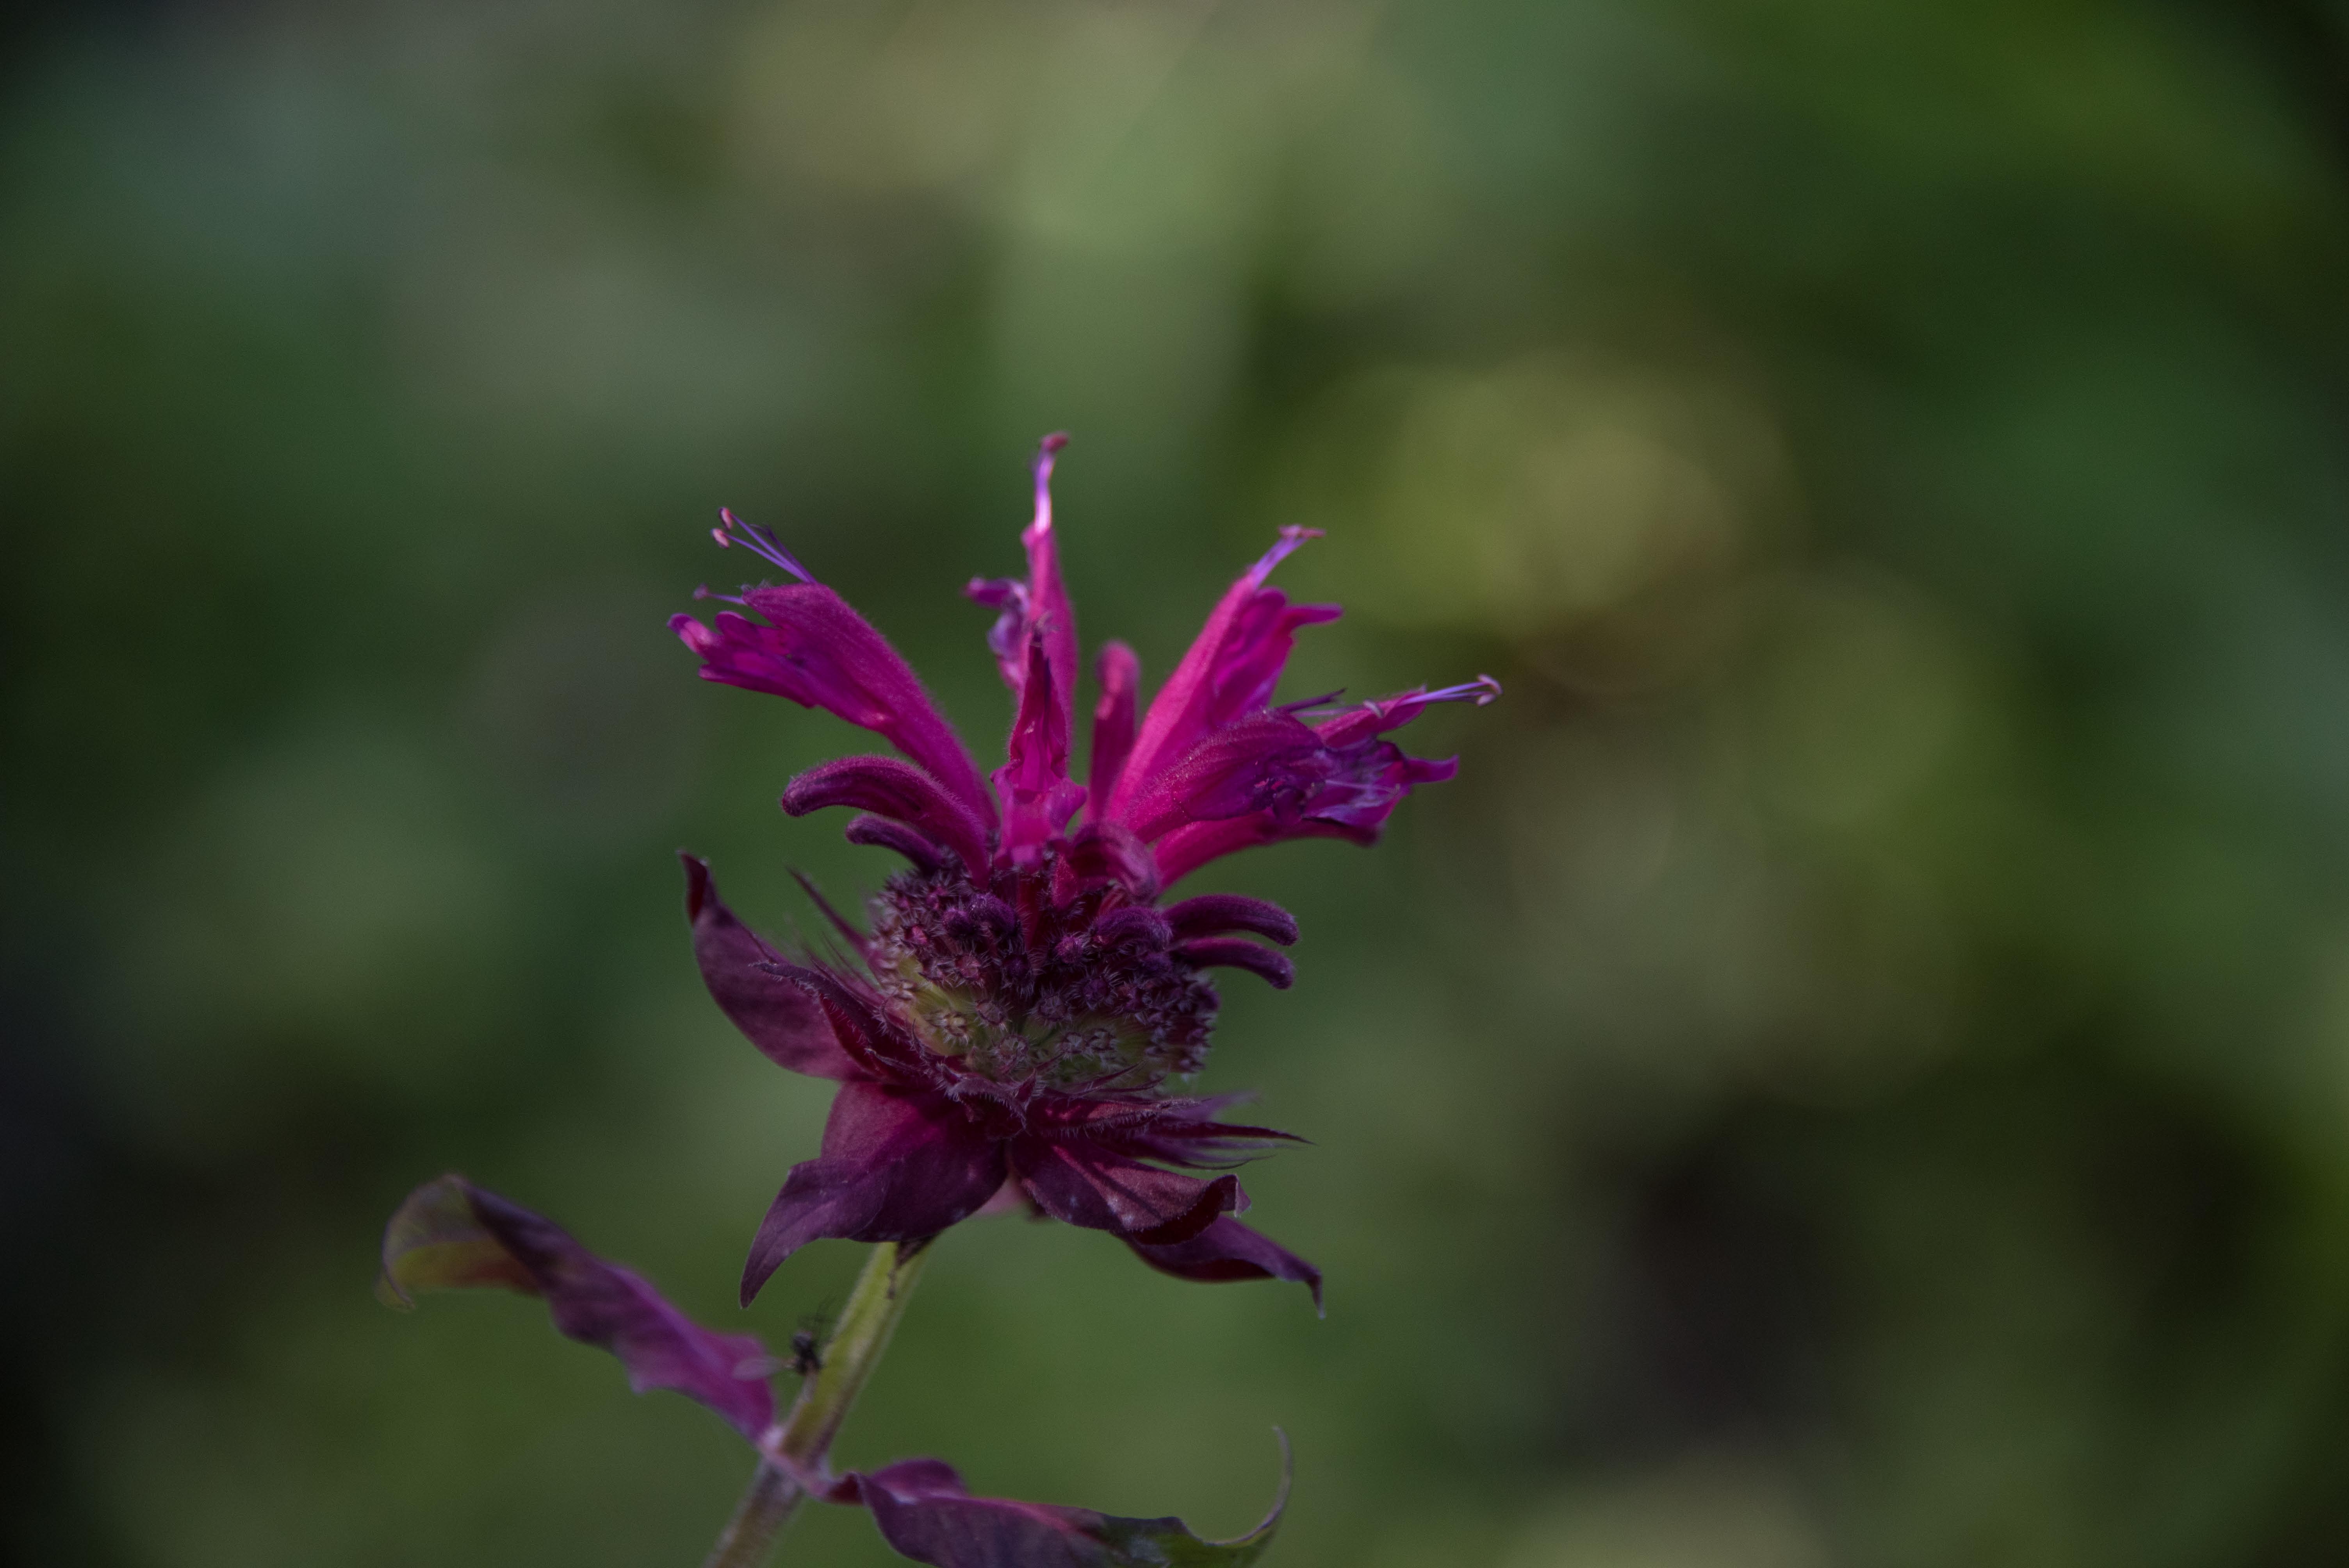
<point x="1014" y="987"/>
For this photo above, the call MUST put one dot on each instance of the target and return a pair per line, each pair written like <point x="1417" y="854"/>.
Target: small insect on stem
<point x="807" y="1357"/>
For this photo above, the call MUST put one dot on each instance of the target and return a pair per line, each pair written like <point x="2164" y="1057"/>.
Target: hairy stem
<point x="862" y="1334"/>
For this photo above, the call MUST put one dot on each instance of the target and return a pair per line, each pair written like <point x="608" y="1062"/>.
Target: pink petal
<point x="1212" y="915"/>
<point x="925" y="852"/>
<point x="1264" y="761"/>
<point x="888" y="787"/>
<point x="1037" y="609"/>
<point x="1239" y="953"/>
<point x="1186" y="849"/>
<point x="1048" y="596"/>
<point x="1034" y="786"/>
<point x="1119" y="674"/>
<point x="1230" y="669"/>
<point x="820" y="653"/>
<point x="1345" y="784"/>
<point x="1108" y="851"/>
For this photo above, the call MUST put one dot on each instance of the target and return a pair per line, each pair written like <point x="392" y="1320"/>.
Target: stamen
<point x="703" y="593"/>
<point x="1041" y="467"/>
<point x="1291" y="537"/>
<point x="760" y="542"/>
<point x="1481" y="691"/>
<point x="1326" y="703"/>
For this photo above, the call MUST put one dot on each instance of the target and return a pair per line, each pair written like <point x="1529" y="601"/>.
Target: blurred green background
<point x="1856" y="1071"/>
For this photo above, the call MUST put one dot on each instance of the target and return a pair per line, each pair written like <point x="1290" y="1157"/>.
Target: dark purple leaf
<point x="1228" y="1250"/>
<point x="450" y="1234"/>
<point x="924" y="1514"/>
<point x="775" y="1012"/>
<point x="899" y="1165"/>
<point x="1081" y="1182"/>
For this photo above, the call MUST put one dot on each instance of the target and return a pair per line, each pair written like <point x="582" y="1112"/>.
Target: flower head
<point x="1024" y="1008"/>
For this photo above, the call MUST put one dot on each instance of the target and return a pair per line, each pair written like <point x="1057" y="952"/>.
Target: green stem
<point x="865" y="1324"/>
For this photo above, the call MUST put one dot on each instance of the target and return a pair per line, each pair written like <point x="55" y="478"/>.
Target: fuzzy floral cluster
<point x="1094" y="1001"/>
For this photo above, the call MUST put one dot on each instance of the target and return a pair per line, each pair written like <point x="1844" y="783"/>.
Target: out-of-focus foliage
<point x="1855" y="1070"/>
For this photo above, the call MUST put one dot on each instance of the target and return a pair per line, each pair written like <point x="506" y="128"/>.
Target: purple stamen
<point x="1042" y="469"/>
<point x="1291" y="539"/>
<point x="1481" y="691"/>
<point x="1326" y="703"/>
<point x="760" y="542"/>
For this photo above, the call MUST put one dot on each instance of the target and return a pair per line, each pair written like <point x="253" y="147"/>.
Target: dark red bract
<point x="1023" y="1002"/>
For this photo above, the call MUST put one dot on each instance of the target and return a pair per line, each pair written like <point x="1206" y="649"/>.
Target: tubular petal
<point x="1374" y="718"/>
<point x="1271" y="776"/>
<point x="1036" y="609"/>
<point x="1268" y="761"/>
<point x="897" y="1165"/>
<point x="1134" y="922"/>
<point x="820" y="653"/>
<point x="1229" y="670"/>
<point x="452" y="1234"/>
<point x="1105" y="850"/>
<point x="1054" y="618"/>
<point x="1119" y="674"/>
<point x="888" y="787"/>
<point x="1366" y="782"/>
<point x="1239" y="953"/>
<point x="1189" y="847"/>
<point x="1212" y="915"/>
<point x="1033" y="785"/>
<point x="926" y="853"/>
<point x="773" y="1013"/>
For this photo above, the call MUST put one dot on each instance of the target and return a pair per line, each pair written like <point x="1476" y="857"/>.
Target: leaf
<point x="925" y="1513"/>
<point x="452" y="1236"/>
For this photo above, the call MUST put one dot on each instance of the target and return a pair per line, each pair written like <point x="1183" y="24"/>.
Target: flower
<point x="450" y="1234"/>
<point x="1023" y="1002"/>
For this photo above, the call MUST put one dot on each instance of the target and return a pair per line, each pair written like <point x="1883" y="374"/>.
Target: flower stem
<point x="863" y="1334"/>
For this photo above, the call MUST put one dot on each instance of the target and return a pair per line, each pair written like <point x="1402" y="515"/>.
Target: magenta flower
<point x="1023" y="1002"/>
